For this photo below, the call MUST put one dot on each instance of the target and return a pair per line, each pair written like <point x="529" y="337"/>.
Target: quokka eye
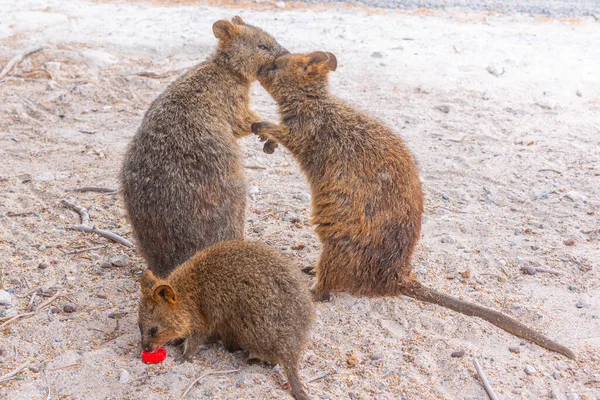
<point x="263" y="47"/>
<point x="153" y="331"/>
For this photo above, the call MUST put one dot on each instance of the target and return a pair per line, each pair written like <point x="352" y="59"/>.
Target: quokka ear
<point x="332" y="64"/>
<point x="164" y="293"/>
<point x="237" y="20"/>
<point x="320" y="62"/>
<point x="147" y="280"/>
<point x="224" y="30"/>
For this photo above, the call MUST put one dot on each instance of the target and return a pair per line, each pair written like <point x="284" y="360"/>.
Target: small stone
<point x="304" y="197"/>
<point x="123" y="376"/>
<point x="557" y="375"/>
<point x="495" y="70"/>
<point x="376" y="54"/>
<point x="529" y="370"/>
<point x="55" y="310"/>
<point x="280" y="4"/>
<point x="52" y="66"/>
<point x="569" y="242"/>
<point x="101" y="296"/>
<point x="351" y="360"/>
<point x="448" y="239"/>
<point x="444" y="197"/>
<point x="5" y="298"/>
<point x="573" y="396"/>
<point x="514" y="349"/>
<point x="572" y="288"/>
<point x="253" y="192"/>
<point x="545" y="104"/>
<point x="1" y="360"/>
<point x="443" y="108"/>
<point x="120" y="261"/>
<point x="458" y="353"/>
<point x="581" y="304"/>
<point x="353" y="395"/>
<point x="43" y="265"/>
<point x="376" y="356"/>
<point x="562" y="367"/>
<point x="105" y="264"/>
<point x="553" y="394"/>
<point x="15" y="281"/>
<point x="34" y="369"/>
<point x="51" y="85"/>
<point x="1" y="352"/>
<point x="578" y="93"/>
<point x="240" y="383"/>
<point x="529" y="270"/>
<point x="69" y="308"/>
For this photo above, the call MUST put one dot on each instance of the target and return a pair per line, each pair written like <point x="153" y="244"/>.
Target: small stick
<point x="549" y="170"/>
<point x="83" y="227"/>
<point x="13" y="373"/>
<point x="33" y="296"/>
<point x="87" y="132"/>
<point x="231" y="371"/>
<point x="29" y="314"/>
<point x="66" y="366"/>
<point x="83" y="250"/>
<point x="97" y="189"/>
<point x="154" y="75"/>
<point x="534" y="270"/>
<point x="486" y="383"/>
<point x="317" y="377"/>
<point x="18" y="58"/>
<point x="254" y="167"/>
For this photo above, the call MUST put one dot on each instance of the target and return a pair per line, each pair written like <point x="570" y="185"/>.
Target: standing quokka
<point x="243" y="293"/>
<point x="182" y="178"/>
<point x="367" y="199"/>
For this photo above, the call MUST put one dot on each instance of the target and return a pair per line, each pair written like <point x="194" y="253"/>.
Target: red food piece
<point x="155" y="356"/>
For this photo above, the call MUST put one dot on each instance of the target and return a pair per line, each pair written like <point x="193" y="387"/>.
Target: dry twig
<point x="8" y="320"/>
<point x="97" y="189"/>
<point x="317" y="377"/>
<point x="84" y="227"/>
<point x="18" y="58"/>
<point x="486" y="383"/>
<point x="231" y="371"/>
<point x="10" y="375"/>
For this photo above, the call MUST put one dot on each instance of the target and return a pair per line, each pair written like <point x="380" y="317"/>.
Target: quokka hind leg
<point x="291" y="372"/>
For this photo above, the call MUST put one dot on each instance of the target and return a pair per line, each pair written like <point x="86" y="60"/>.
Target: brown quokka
<point x="367" y="200"/>
<point x="182" y="178"/>
<point x="243" y="293"/>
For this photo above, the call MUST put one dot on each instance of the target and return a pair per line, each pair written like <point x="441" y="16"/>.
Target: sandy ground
<point x="502" y="112"/>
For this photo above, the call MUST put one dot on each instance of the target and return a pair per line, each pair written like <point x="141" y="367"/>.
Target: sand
<point x="501" y="111"/>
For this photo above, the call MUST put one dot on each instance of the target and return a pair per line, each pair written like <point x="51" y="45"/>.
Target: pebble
<point x="106" y="264"/>
<point x="5" y="298"/>
<point x="55" y="310"/>
<point x="529" y="270"/>
<point x="51" y="85"/>
<point x="376" y="356"/>
<point x="573" y="396"/>
<point x="352" y="360"/>
<point x="120" y="260"/>
<point x="43" y="265"/>
<point x="448" y="239"/>
<point x="553" y="394"/>
<point x="444" y="197"/>
<point x="556" y="375"/>
<point x="1" y="360"/>
<point x="304" y="197"/>
<point x="1" y="351"/>
<point x="545" y="104"/>
<point x="529" y="370"/>
<point x="495" y="70"/>
<point x="458" y="353"/>
<point x="52" y="66"/>
<point x="376" y="54"/>
<point x="101" y="296"/>
<point x="443" y="108"/>
<point x="353" y="395"/>
<point x="35" y="370"/>
<point x="253" y="192"/>
<point x="562" y="367"/>
<point x="123" y="376"/>
<point x="569" y="242"/>
<point x="578" y="93"/>
<point x="581" y="304"/>
<point x="69" y="308"/>
<point x="514" y="349"/>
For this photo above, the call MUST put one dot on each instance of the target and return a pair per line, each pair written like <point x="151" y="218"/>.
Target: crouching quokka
<point x="367" y="201"/>
<point x="243" y="293"/>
